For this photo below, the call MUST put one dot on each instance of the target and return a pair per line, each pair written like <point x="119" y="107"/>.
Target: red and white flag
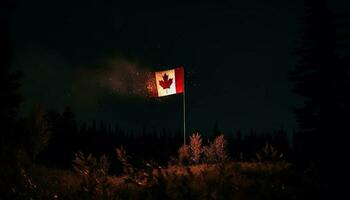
<point x="169" y="82"/>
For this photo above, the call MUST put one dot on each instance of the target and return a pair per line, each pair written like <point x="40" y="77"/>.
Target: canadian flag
<point x="169" y="82"/>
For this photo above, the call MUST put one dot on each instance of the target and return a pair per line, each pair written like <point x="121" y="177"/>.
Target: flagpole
<point x="184" y="111"/>
<point x="184" y="106"/>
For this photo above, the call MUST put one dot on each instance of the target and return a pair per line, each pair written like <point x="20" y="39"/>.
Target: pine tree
<point x="37" y="132"/>
<point x="9" y="84"/>
<point x="321" y="79"/>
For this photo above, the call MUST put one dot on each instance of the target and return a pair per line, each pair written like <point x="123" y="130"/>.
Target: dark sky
<point x="236" y="55"/>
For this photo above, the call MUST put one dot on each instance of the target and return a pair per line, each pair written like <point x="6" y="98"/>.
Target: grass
<point x="231" y="180"/>
<point x="209" y="176"/>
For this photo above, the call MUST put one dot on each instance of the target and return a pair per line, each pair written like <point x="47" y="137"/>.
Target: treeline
<point x="67" y="136"/>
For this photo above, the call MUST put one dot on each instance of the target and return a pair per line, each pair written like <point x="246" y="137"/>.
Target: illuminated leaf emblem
<point x="166" y="82"/>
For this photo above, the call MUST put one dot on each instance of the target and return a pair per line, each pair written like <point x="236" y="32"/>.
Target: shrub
<point x="124" y="160"/>
<point x="195" y="148"/>
<point x="184" y="155"/>
<point x="94" y="174"/>
<point x="269" y="153"/>
<point x="216" y="151"/>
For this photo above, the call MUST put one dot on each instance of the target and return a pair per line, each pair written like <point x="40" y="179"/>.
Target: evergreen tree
<point x="9" y="96"/>
<point x="37" y="132"/>
<point x="69" y="122"/>
<point x="321" y="79"/>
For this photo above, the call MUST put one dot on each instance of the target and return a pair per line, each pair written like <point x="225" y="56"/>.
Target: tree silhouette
<point x="321" y="78"/>
<point x="37" y="132"/>
<point x="9" y="96"/>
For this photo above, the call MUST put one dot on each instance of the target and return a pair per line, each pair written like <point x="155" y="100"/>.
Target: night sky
<point x="91" y="56"/>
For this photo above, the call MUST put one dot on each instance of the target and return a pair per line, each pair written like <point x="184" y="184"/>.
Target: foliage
<point x="269" y="153"/>
<point x="184" y="155"/>
<point x="122" y="156"/>
<point x="216" y="151"/>
<point x="196" y="153"/>
<point x="220" y="180"/>
<point x="195" y="148"/>
<point x="38" y="133"/>
<point x="94" y="174"/>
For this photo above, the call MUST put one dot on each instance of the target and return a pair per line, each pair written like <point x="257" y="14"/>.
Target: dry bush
<point x="195" y="148"/>
<point x="132" y="175"/>
<point x="123" y="158"/>
<point x="269" y="153"/>
<point x="216" y="151"/>
<point x="94" y="174"/>
<point x="183" y="155"/>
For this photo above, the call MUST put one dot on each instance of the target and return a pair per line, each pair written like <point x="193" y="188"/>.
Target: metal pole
<point x="184" y="111"/>
<point x="184" y="106"/>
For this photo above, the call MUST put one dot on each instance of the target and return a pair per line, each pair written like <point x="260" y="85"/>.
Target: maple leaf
<point x="166" y="82"/>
